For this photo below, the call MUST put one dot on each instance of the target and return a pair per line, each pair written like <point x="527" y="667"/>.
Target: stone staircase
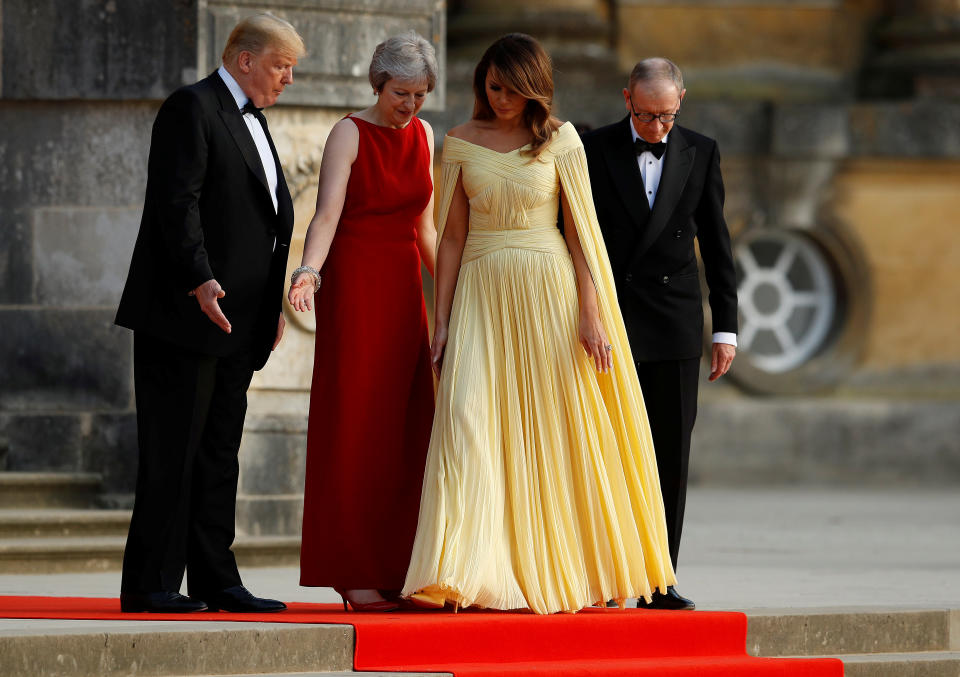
<point x="51" y="523"/>
<point x="871" y="643"/>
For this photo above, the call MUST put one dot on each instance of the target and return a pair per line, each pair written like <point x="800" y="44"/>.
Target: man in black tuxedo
<point x="656" y="188"/>
<point x="203" y="298"/>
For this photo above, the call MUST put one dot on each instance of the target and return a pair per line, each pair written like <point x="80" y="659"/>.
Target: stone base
<point x="272" y="462"/>
<point x="825" y="441"/>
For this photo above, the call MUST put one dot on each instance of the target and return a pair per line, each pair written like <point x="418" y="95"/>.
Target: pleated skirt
<point x="530" y="497"/>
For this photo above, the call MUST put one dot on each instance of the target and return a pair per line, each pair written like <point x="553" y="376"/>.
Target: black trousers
<point x="670" y="394"/>
<point x="190" y="412"/>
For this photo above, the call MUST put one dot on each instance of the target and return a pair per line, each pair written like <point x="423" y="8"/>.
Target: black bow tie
<point x="248" y="107"/>
<point x="641" y="146"/>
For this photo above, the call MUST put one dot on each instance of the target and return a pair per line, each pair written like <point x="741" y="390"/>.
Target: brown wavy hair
<point x="519" y="62"/>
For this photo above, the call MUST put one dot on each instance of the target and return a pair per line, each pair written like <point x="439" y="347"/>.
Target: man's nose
<point x="288" y="77"/>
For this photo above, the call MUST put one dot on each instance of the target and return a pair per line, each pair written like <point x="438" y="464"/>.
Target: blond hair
<point x="258" y="32"/>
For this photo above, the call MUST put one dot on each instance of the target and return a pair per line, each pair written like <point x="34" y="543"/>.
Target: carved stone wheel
<point x="804" y="298"/>
<point x="787" y="299"/>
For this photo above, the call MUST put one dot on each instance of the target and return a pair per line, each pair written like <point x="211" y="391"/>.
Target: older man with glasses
<point x="657" y="187"/>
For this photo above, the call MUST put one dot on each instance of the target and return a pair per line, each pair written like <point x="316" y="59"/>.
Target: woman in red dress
<point x="371" y="401"/>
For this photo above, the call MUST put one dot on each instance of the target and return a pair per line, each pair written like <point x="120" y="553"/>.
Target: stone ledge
<point x="105" y="553"/>
<point x="121" y="652"/>
<point x="51" y="522"/>
<point x="54" y="490"/>
<point x="921" y="664"/>
<point x="826" y="442"/>
<point x="835" y="632"/>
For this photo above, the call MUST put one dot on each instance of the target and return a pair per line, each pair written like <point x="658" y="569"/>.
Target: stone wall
<point x="80" y="84"/>
<point x="71" y="182"/>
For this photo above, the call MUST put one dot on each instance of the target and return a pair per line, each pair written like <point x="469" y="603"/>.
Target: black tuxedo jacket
<point x="208" y="214"/>
<point x="652" y="251"/>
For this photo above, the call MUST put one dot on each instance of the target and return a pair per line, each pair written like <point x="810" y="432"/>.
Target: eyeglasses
<point x="665" y="118"/>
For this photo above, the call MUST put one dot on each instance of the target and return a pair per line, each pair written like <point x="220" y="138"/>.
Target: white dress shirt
<point x="651" y="169"/>
<point x="256" y="131"/>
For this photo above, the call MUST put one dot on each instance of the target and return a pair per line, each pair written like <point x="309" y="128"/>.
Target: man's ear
<point x="245" y="62"/>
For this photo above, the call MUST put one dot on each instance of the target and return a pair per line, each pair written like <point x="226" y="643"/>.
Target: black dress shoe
<point x="239" y="600"/>
<point x="159" y="603"/>
<point x="671" y="600"/>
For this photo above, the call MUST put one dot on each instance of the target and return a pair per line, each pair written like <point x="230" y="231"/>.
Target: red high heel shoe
<point x="381" y="605"/>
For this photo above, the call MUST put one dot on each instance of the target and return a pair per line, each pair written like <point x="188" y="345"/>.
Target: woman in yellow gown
<point x="541" y="487"/>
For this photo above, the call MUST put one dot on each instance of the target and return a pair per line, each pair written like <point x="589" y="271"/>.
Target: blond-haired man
<point x="203" y="300"/>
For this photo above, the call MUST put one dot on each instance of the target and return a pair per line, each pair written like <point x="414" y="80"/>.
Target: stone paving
<point x="746" y="549"/>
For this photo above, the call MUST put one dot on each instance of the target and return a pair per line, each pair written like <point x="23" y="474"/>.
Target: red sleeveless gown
<point x="371" y="403"/>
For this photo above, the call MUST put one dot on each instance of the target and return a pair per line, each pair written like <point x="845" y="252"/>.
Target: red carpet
<point x="594" y="642"/>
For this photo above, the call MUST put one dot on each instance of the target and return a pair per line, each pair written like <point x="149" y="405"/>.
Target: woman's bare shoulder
<point x="468" y="131"/>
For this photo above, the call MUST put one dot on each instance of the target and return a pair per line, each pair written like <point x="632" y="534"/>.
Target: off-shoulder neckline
<point x="498" y="152"/>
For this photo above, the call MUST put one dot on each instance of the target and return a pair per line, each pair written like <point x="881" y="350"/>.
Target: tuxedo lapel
<point x="676" y="168"/>
<point x="233" y="119"/>
<point x="621" y="161"/>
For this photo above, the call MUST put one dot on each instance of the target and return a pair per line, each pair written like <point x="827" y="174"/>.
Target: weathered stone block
<point x="110" y="449"/>
<point x="272" y="463"/>
<point x="43" y="442"/>
<point x="908" y="129"/>
<point x="739" y="127"/>
<point x="81" y="255"/>
<point x="848" y="632"/>
<point x="269" y="515"/>
<point x="340" y="39"/>
<point x="825" y="441"/>
<point x="64" y="360"/>
<point x="16" y="255"/>
<point x="201" y="651"/>
<point x="74" y="153"/>
<point x="811" y="130"/>
<point x="96" y="49"/>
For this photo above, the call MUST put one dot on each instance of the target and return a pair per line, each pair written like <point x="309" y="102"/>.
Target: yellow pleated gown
<point x="540" y="489"/>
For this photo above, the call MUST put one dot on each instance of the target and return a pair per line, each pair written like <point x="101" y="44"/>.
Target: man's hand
<point x="207" y="295"/>
<point x="721" y="359"/>
<point x="280" y="325"/>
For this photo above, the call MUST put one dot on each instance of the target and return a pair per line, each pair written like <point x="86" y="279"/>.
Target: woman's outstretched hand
<point x="436" y="348"/>
<point x="301" y="293"/>
<point x="593" y="338"/>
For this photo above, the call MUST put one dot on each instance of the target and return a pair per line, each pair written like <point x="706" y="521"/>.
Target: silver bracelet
<point x="314" y="273"/>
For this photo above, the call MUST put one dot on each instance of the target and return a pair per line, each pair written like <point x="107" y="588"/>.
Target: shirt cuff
<point x="725" y="337"/>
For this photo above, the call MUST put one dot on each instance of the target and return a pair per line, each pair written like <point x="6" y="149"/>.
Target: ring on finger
<point x="609" y="346"/>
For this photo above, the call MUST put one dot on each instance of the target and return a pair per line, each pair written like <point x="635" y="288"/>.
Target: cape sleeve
<point x="620" y="388"/>
<point x="449" y="172"/>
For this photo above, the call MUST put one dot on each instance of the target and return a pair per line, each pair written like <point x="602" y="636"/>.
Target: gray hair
<point x="408" y="57"/>
<point x="656" y="69"/>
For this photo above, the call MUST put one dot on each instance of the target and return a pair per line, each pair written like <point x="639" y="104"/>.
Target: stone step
<point x="105" y="553"/>
<point x="48" y="490"/>
<point x="188" y="648"/>
<point x="915" y="664"/>
<point x="47" y="523"/>
<point x="824" y="632"/>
